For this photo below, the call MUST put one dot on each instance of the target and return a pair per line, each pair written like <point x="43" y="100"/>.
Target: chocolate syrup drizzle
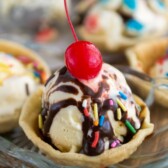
<point x="106" y="130"/>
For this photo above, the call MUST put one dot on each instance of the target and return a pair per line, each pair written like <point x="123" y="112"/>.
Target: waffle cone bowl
<point x="10" y="121"/>
<point x="142" y="57"/>
<point x="29" y="124"/>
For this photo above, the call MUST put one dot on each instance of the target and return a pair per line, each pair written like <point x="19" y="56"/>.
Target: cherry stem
<point x="70" y="22"/>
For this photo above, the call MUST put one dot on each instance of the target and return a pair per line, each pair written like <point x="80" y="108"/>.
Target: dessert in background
<point x="150" y="58"/>
<point x="21" y="73"/>
<point x="155" y="55"/>
<point x="87" y="110"/>
<point x="122" y="26"/>
<point x="16" y="83"/>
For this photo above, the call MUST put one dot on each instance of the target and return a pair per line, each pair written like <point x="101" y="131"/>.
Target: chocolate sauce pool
<point x="105" y="131"/>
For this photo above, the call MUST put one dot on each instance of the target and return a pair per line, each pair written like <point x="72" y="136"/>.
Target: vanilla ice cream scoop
<point x="89" y="116"/>
<point x="16" y="83"/>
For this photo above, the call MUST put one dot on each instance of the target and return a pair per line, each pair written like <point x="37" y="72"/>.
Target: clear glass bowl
<point x="17" y="151"/>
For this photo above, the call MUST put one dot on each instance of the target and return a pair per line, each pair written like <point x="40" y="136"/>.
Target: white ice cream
<point x="16" y="83"/>
<point x="66" y="127"/>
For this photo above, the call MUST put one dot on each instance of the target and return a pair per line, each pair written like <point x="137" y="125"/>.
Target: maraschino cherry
<point x="82" y="58"/>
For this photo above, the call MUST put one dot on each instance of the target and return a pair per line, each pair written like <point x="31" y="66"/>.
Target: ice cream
<point x="89" y="116"/>
<point x="17" y="82"/>
<point x="135" y="23"/>
<point x="160" y="68"/>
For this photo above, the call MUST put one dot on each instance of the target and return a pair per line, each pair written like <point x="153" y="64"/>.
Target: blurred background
<point x="39" y="25"/>
<point x="112" y="25"/>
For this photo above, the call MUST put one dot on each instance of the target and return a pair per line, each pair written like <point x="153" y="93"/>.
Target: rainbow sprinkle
<point x="5" y="68"/>
<point x="121" y="105"/>
<point x="130" y="127"/>
<point x="96" y="117"/>
<point x="111" y="102"/>
<point x="36" y="65"/>
<point x="101" y="121"/>
<point x="36" y="74"/>
<point x="86" y="113"/>
<point x="115" y="143"/>
<point x="43" y="77"/>
<point x="95" y="123"/>
<point x="40" y="121"/>
<point x="24" y="59"/>
<point x="122" y="95"/>
<point x="3" y="65"/>
<point x="119" y="115"/>
<point x="84" y="103"/>
<point x="96" y="139"/>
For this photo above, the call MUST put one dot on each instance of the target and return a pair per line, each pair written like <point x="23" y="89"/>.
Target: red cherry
<point x="83" y="60"/>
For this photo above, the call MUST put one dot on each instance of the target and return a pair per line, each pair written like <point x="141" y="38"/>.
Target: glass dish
<point x="17" y="151"/>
